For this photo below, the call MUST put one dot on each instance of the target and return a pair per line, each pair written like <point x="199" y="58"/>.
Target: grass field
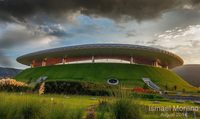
<point x="128" y="75"/>
<point x="33" y="106"/>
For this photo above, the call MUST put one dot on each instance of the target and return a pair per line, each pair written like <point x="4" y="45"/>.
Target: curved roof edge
<point x="88" y="46"/>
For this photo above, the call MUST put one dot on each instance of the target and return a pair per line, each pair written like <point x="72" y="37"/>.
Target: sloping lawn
<point x="129" y="75"/>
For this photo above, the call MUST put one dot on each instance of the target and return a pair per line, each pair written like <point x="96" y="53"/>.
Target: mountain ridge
<point x="8" y="72"/>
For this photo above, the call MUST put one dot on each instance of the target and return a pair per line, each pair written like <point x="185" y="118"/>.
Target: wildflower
<point x="42" y="88"/>
<point x="51" y="99"/>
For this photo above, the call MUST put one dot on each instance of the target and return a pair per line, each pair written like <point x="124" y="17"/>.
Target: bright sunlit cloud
<point x="183" y="41"/>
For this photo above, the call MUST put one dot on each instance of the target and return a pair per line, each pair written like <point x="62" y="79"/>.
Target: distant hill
<point x="190" y="73"/>
<point x="8" y="72"/>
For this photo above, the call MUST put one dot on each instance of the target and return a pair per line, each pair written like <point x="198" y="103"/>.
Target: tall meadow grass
<point x="14" y="106"/>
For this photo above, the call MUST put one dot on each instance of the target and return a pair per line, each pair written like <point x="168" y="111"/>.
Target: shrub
<point x="23" y="110"/>
<point x="103" y="105"/>
<point x="145" y="86"/>
<point x="3" y="109"/>
<point x="91" y="114"/>
<point x="148" y="96"/>
<point x="55" y="113"/>
<point x="12" y="85"/>
<point x="103" y="109"/>
<point x="72" y="87"/>
<point x="29" y="111"/>
<point x="75" y="114"/>
<point x="175" y="87"/>
<point x="139" y="89"/>
<point x="125" y="109"/>
<point x="166" y="87"/>
<point x="183" y="90"/>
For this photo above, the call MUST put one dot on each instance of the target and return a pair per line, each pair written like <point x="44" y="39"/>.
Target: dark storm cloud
<point x="61" y="34"/>
<point x="116" y="9"/>
<point x="18" y="34"/>
<point x="4" y="60"/>
<point x="195" y="2"/>
<point x="15" y="36"/>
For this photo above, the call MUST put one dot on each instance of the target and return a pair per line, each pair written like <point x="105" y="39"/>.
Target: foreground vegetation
<point x="33" y="106"/>
<point x="116" y="102"/>
<point x="128" y="75"/>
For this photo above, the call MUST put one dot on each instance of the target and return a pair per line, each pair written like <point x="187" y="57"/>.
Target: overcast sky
<point x="31" y="25"/>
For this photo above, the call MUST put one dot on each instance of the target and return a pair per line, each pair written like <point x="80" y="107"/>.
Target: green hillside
<point x="128" y="75"/>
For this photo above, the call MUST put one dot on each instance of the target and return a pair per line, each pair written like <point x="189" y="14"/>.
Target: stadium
<point x="132" y="53"/>
<point x="122" y="64"/>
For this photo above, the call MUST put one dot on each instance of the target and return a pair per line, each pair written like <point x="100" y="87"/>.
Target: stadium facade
<point x="134" y="54"/>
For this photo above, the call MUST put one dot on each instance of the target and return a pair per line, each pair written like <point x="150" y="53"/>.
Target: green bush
<point x="57" y="114"/>
<point x="75" y="114"/>
<point x="72" y="87"/>
<point x="122" y="108"/>
<point x="3" y="109"/>
<point x="103" y="110"/>
<point x="15" y="88"/>
<point x="147" y="96"/>
<point x="53" y="110"/>
<point x="22" y="110"/>
<point x="28" y="111"/>
<point x="125" y="109"/>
